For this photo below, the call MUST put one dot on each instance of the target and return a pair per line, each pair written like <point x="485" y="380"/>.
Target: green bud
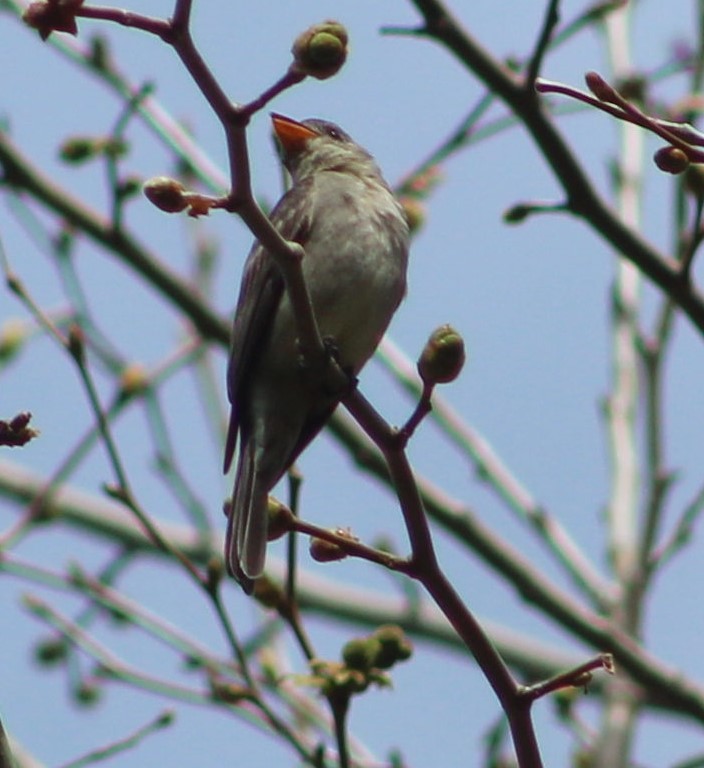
<point x="79" y="149"/>
<point x="215" y="572"/>
<point x="633" y="88"/>
<point x="191" y="662"/>
<point x="113" y="148"/>
<point x="13" y="334"/>
<point x="518" y="213"/>
<point x="229" y="693"/>
<point x="361" y="652"/>
<point x="394" y="646"/>
<point x="414" y="211"/>
<point x="321" y="50"/>
<point x="165" y="719"/>
<point x="87" y="694"/>
<point x="694" y="179"/>
<point x="100" y="53"/>
<point x="355" y="681"/>
<point x="133" y="379"/>
<point x="268" y="593"/>
<point x="76" y="342"/>
<point x="130" y="186"/>
<point x="50" y="652"/>
<point x="443" y="356"/>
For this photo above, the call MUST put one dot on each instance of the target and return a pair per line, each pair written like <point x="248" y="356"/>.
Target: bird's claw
<point x="332" y="352"/>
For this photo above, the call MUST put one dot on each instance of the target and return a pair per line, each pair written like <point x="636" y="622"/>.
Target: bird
<point x="355" y="239"/>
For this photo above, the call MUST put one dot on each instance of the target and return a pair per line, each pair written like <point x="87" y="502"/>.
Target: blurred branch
<point x="662" y="682"/>
<point x="493" y="471"/>
<point x="107" y="520"/>
<point x="95" y="58"/>
<point x="614" y="743"/>
<point x="550" y="22"/>
<point x="163" y="720"/>
<point x="6" y="759"/>
<point x="20" y="174"/>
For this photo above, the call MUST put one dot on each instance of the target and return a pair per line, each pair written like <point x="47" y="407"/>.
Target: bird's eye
<point x="333" y="133"/>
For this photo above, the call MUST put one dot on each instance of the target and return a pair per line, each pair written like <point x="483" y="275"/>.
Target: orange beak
<point x="292" y="134"/>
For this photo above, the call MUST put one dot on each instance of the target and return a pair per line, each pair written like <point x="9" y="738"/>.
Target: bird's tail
<point x="245" y="543"/>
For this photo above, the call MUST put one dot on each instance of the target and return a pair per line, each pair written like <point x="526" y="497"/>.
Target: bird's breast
<point x="354" y="266"/>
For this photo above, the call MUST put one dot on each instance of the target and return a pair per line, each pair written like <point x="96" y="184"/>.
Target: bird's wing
<point x="260" y="292"/>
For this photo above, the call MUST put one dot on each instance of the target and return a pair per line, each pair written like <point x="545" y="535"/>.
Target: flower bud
<point x="100" y="53"/>
<point x="76" y="342"/>
<point x="166" y="194"/>
<point x="17" y="432"/>
<point x="443" y="356"/>
<point x="414" y="211"/>
<point x="229" y="693"/>
<point x="633" y="88"/>
<point x="694" y="180"/>
<point x="129" y="187"/>
<point x="355" y="681"/>
<point x="268" y="593"/>
<point x="324" y="551"/>
<point x="361" y="652"/>
<point x="671" y="160"/>
<point x="13" y="334"/>
<point x="215" y="573"/>
<point x="87" y="694"/>
<point x="321" y="50"/>
<point x="52" y="16"/>
<point x="78" y="149"/>
<point x="133" y="379"/>
<point x="517" y="213"/>
<point x="600" y="88"/>
<point x="51" y="652"/>
<point x="280" y="519"/>
<point x="394" y="646"/>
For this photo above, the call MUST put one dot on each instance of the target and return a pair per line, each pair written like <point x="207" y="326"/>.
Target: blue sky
<point x="532" y="302"/>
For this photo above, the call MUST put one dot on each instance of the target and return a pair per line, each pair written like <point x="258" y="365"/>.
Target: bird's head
<point x="313" y="145"/>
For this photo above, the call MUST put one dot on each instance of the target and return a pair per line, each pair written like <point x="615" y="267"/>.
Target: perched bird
<point x="355" y="237"/>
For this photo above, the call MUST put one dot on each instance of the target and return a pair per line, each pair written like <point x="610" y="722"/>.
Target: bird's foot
<point x="332" y="352"/>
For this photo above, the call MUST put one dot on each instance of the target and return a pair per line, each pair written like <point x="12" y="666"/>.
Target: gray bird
<point x="355" y="237"/>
